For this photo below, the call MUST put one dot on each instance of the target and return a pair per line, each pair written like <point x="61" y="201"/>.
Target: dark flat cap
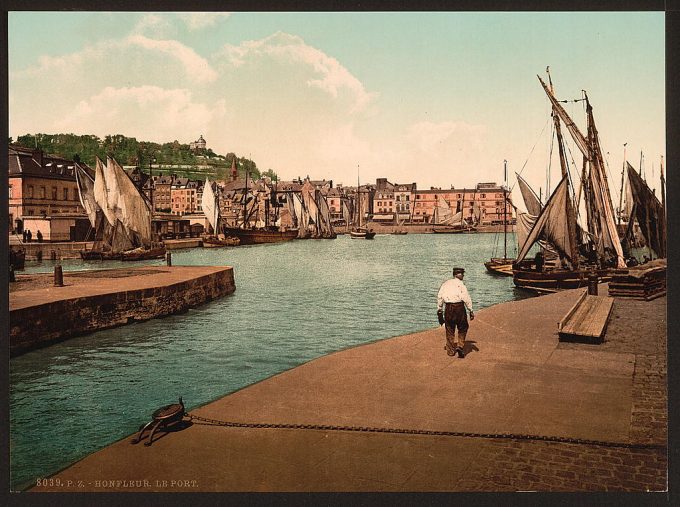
<point x="458" y="270"/>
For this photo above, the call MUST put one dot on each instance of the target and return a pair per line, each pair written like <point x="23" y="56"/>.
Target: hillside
<point x="172" y="157"/>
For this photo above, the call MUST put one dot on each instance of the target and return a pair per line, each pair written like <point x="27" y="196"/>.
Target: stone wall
<point x="64" y="250"/>
<point x="37" y="326"/>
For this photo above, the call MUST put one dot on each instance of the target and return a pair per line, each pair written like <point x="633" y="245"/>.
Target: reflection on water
<point x="294" y="302"/>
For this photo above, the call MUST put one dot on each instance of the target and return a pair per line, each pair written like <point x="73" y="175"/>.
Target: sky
<point x="436" y="98"/>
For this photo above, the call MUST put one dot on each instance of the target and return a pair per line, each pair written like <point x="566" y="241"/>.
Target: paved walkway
<point x="517" y="379"/>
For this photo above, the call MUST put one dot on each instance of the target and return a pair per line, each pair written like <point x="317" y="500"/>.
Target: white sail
<point x="126" y="202"/>
<point x="86" y="194"/>
<point x="211" y="206"/>
<point x="324" y="215"/>
<point x="101" y="192"/>
<point x="531" y="201"/>
<point x="552" y="224"/>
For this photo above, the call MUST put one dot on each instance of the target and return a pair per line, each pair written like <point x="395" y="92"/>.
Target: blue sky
<point x="437" y="98"/>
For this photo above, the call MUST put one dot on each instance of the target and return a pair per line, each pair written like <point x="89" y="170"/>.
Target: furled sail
<point x="552" y="224"/>
<point x="325" y="226"/>
<point x="649" y="212"/>
<point x="210" y="206"/>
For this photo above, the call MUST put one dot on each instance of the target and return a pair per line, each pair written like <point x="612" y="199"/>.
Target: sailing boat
<point x="502" y="265"/>
<point x="360" y="232"/>
<point x="649" y="213"/>
<point x="249" y="235"/>
<point x="447" y="222"/>
<point x="211" y="209"/>
<point x="119" y="213"/>
<point x="580" y="252"/>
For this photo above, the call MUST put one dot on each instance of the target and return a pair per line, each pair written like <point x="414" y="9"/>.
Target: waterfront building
<point x="487" y="196"/>
<point x="183" y="196"/>
<point x="162" y="192"/>
<point x="43" y="195"/>
<point x="403" y="199"/>
<point x="335" y="197"/>
<point x="383" y="201"/>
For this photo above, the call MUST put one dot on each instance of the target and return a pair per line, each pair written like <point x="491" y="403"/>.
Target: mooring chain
<point x="467" y="434"/>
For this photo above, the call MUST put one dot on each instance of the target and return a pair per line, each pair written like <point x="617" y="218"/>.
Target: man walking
<point x="452" y="300"/>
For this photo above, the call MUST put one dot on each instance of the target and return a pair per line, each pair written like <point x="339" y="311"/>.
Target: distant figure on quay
<point x="452" y="301"/>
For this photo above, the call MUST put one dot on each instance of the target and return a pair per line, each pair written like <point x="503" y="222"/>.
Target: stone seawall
<point x="55" y="251"/>
<point x="43" y="316"/>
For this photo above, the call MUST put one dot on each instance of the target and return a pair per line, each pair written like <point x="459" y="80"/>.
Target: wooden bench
<point x="586" y="321"/>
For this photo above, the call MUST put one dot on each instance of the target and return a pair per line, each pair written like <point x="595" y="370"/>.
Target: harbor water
<point x="294" y="302"/>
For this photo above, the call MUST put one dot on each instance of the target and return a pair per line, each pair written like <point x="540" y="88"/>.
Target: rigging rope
<point x="532" y="150"/>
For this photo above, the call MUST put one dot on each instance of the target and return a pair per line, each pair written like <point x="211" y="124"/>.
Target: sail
<point x="476" y="213"/>
<point x="324" y="215"/>
<point x="210" y="206"/>
<point x="443" y="214"/>
<point x="101" y="193"/>
<point x="649" y="213"/>
<point x="346" y="211"/>
<point x="531" y="201"/>
<point x="290" y="203"/>
<point x="86" y="194"/>
<point x="552" y="224"/>
<point x="129" y="205"/>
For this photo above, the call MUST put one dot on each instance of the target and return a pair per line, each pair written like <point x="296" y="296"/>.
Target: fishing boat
<point x="118" y="212"/>
<point x="211" y="209"/>
<point x="248" y="234"/>
<point x="502" y="265"/>
<point x="590" y="248"/>
<point x="359" y="231"/>
<point x="447" y="222"/>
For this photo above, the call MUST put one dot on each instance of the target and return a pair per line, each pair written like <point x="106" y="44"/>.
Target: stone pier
<point x="41" y="314"/>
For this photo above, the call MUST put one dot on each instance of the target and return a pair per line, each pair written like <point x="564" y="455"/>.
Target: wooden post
<point x="592" y="284"/>
<point x="168" y="258"/>
<point x="58" y="276"/>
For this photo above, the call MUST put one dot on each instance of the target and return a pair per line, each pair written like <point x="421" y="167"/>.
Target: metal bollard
<point x="58" y="276"/>
<point x="53" y="255"/>
<point x="168" y="258"/>
<point x="592" y="284"/>
<point x="12" y="278"/>
<point x="38" y="255"/>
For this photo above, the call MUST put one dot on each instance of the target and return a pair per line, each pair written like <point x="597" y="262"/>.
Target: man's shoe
<point x="461" y="354"/>
<point x="451" y="352"/>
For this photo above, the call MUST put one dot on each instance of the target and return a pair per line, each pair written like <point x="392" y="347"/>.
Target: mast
<point x="505" y="210"/>
<point x="358" y="200"/>
<point x="663" y="187"/>
<point x="244" y="199"/>
<point x="623" y="169"/>
<point x="558" y="131"/>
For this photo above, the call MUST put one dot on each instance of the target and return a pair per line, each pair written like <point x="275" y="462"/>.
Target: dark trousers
<point x="455" y="316"/>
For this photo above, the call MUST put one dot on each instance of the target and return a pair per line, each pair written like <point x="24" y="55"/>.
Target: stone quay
<point x="522" y="412"/>
<point x="42" y="313"/>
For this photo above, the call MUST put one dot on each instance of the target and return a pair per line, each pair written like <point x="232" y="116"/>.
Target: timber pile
<point x="644" y="282"/>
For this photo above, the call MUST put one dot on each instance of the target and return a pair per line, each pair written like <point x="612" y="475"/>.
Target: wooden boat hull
<point x="218" y="243"/>
<point x="454" y="229"/>
<point x="142" y="255"/>
<point x="98" y="255"/>
<point x="500" y="266"/>
<point x="259" y="236"/>
<point x="557" y="279"/>
<point x="362" y="234"/>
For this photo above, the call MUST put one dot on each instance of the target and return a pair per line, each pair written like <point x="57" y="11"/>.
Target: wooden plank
<point x="589" y="318"/>
<point x="561" y="323"/>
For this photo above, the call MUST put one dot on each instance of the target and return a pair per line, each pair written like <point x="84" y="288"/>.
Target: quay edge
<point x="95" y="300"/>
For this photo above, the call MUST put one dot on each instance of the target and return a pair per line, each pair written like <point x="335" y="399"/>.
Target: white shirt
<point x="453" y="291"/>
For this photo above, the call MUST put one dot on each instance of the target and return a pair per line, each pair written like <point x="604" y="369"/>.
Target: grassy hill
<point x="172" y="157"/>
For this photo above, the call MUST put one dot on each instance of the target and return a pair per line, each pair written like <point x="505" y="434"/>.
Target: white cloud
<point x="324" y="72"/>
<point x="197" y="67"/>
<point x="199" y="20"/>
<point x="147" y="112"/>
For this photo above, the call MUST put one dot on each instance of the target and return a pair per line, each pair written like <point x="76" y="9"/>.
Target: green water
<point x="294" y="302"/>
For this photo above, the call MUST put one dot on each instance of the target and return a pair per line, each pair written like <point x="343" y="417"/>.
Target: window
<point x="390" y="203"/>
<point x="42" y="192"/>
<point x="66" y="194"/>
<point x="483" y="196"/>
<point x="30" y="192"/>
<point x="10" y="191"/>
<point x="407" y="198"/>
<point x="54" y="193"/>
